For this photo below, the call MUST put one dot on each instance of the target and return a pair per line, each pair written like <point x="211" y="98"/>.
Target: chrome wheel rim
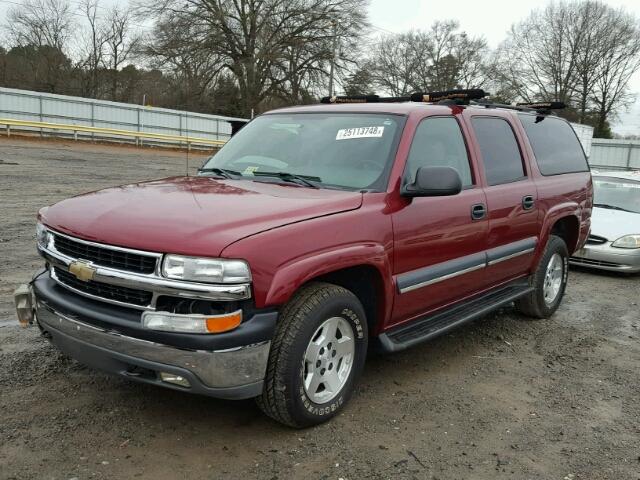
<point x="553" y="278"/>
<point x="328" y="360"/>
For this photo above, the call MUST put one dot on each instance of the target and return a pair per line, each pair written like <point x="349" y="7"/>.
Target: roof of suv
<point x="399" y="108"/>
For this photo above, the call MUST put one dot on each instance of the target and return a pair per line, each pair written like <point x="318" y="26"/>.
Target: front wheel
<point x="549" y="281"/>
<point x="317" y="355"/>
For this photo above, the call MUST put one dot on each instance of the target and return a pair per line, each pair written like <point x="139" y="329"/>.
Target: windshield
<point x="339" y="150"/>
<point x="617" y="193"/>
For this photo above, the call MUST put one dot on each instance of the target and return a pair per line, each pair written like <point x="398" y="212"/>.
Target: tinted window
<point x="438" y="142"/>
<point x="555" y="145"/>
<point x="500" y="152"/>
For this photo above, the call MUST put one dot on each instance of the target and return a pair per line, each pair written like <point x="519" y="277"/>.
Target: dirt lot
<point x="502" y="398"/>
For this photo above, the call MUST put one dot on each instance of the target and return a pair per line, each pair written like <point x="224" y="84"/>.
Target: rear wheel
<point x="317" y="355"/>
<point x="549" y="281"/>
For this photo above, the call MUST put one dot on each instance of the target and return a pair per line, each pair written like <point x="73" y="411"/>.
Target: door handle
<point x="478" y="211"/>
<point x="528" y="202"/>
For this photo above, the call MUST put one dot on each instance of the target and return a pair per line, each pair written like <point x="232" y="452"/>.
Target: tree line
<point x="238" y="57"/>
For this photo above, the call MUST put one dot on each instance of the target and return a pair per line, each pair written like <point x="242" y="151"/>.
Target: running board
<point x="426" y="328"/>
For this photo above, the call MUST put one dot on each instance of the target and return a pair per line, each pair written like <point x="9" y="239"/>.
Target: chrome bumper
<point x="606" y="257"/>
<point x="234" y="373"/>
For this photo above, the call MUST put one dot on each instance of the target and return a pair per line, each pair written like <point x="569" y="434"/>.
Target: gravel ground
<point x="504" y="397"/>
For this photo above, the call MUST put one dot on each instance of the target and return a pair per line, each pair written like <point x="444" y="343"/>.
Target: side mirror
<point x="434" y="182"/>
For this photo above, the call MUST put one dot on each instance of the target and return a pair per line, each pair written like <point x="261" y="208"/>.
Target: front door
<point x="439" y="242"/>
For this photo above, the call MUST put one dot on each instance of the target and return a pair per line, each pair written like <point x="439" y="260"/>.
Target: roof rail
<point x="546" y="106"/>
<point x="539" y="107"/>
<point x="460" y="96"/>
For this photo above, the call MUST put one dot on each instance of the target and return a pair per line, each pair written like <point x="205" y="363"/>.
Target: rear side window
<point x="555" y="145"/>
<point x="438" y="142"/>
<point x="500" y="152"/>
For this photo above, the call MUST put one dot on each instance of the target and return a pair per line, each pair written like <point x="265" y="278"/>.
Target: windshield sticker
<point x="359" y="132"/>
<point x="250" y="170"/>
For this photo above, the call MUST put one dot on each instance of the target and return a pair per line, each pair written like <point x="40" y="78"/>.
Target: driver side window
<point x="438" y="142"/>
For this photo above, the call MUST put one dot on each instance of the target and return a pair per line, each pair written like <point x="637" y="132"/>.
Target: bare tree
<point x="40" y="32"/>
<point x="92" y="48"/>
<point x="618" y="63"/>
<point x="254" y="39"/>
<point x="437" y="59"/>
<point x="394" y="64"/>
<point x="581" y="52"/>
<point x="542" y="52"/>
<point x="41" y="23"/>
<point x="176" y="48"/>
<point x="591" y="23"/>
<point x="120" y="43"/>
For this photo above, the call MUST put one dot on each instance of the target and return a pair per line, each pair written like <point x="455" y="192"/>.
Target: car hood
<point x="191" y="215"/>
<point x="613" y="224"/>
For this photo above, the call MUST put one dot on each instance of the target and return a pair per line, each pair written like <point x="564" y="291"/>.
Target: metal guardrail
<point x="108" y="132"/>
<point x="615" y="154"/>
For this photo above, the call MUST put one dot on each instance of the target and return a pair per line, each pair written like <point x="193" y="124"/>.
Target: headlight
<point x="628" y="241"/>
<point x="205" y="270"/>
<point x="42" y="235"/>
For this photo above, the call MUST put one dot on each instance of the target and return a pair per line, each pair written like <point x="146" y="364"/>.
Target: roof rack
<point x="460" y="97"/>
<point x="541" y="108"/>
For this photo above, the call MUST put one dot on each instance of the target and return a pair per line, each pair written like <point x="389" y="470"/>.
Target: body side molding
<point x="440" y="272"/>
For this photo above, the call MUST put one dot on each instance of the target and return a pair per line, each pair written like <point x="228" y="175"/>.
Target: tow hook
<point x="23" y="298"/>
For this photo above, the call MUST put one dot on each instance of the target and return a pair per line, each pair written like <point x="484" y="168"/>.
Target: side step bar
<point x="426" y="328"/>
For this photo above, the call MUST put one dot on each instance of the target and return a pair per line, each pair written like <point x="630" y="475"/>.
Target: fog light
<point x="173" y="322"/>
<point x="175" y="379"/>
<point x="24" y="305"/>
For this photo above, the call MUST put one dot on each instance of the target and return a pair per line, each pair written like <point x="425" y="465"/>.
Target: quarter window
<point x="438" y="142"/>
<point x="555" y="145"/>
<point x="499" y="147"/>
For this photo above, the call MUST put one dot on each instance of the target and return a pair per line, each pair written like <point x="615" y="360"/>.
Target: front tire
<point x="316" y="357"/>
<point x="549" y="281"/>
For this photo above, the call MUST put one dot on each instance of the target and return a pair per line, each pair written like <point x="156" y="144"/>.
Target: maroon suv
<point x="316" y="233"/>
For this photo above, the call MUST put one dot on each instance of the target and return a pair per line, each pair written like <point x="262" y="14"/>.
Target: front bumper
<point x="606" y="257"/>
<point x="230" y="365"/>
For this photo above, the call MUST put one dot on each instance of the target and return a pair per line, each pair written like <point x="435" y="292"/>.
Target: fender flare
<point x="292" y="275"/>
<point x="557" y="212"/>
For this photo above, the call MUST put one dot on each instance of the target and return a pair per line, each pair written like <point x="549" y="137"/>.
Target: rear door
<point x="438" y="242"/>
<point x="511" y="199"/>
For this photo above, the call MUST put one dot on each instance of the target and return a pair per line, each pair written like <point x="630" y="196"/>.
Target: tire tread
<point x="273" y="401"/>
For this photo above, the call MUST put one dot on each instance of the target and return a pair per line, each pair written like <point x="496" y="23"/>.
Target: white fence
<point x="615" y="154"/>
<point x="61" y="109"/>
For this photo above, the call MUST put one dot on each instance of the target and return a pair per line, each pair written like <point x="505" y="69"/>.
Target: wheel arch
<point x="360" y="269"/>
<point x="567" y="228"/>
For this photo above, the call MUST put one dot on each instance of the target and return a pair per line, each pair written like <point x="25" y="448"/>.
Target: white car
<point x="614" y="243"/>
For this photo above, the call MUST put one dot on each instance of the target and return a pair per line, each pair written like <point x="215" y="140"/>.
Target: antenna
<point x="186" y="127"/>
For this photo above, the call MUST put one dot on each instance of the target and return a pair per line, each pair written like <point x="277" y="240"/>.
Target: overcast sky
<point x="489" y="18"/>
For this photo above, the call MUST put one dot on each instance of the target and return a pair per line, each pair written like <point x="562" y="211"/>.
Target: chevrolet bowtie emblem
<point x="82" y="271"/>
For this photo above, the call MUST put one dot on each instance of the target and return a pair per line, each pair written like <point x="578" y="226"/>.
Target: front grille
<point x="109" y="292"/>
<point x="596" y="240"/>
<point x="106" y="257"/>
<point x="595" y="263"/>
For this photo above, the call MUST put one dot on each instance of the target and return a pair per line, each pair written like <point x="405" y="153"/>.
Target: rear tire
<point x="316" y="356"/>
<point x="549" y="281"/>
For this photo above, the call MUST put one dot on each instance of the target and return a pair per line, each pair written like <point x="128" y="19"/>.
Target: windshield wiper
<point x="306" y="180"/>
<point x="610" y="207"/>
<point x="222" y="172"/>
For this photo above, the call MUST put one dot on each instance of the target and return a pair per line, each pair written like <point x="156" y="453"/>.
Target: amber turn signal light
<point x="224" y="323"/>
